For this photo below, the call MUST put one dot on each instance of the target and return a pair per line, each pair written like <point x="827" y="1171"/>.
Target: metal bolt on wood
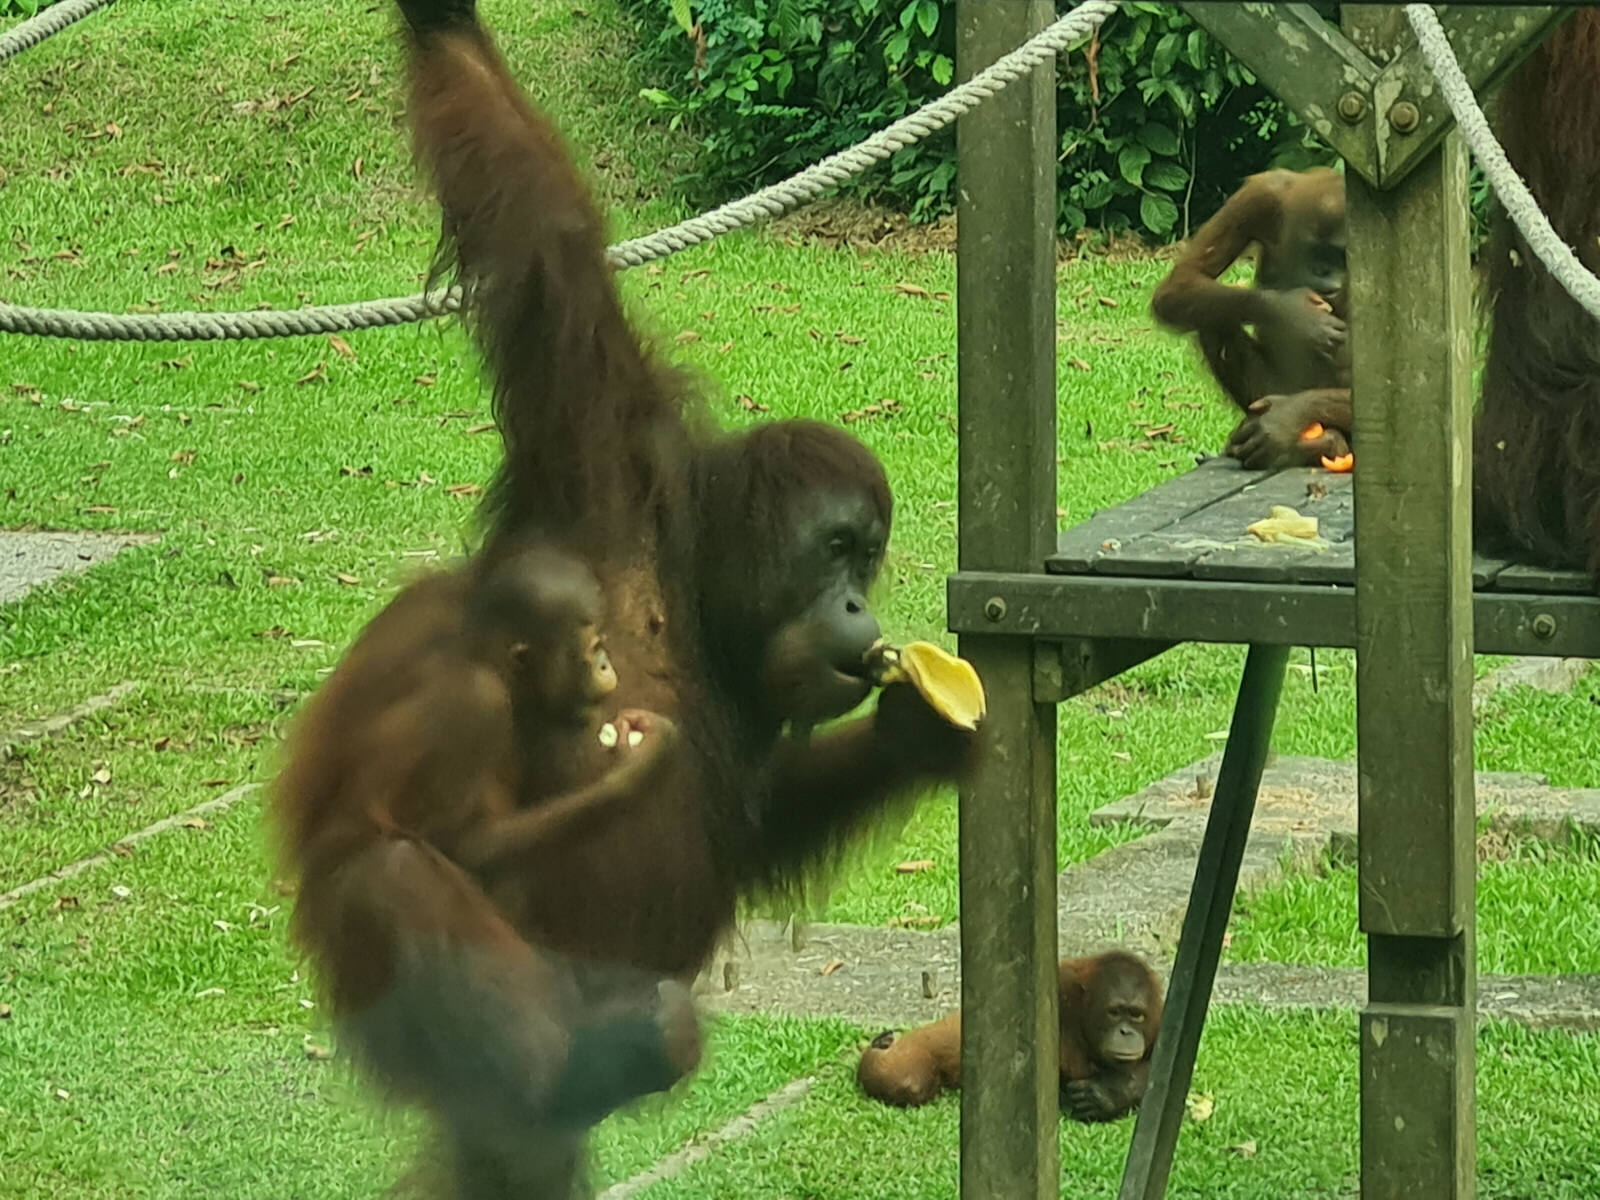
<point x="1404" y="117"/>
<point x="1544" y="626"/>
<point x="995" y="609"/>
<point x="1352" y="106"/>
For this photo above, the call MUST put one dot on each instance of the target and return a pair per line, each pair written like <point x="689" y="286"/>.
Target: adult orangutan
<point x="734" y="570"/>
<point x="1279" y="349"/>
<point x="1536" y="474"/>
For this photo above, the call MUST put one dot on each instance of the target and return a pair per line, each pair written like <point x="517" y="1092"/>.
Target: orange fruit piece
<point x="1312" y="432"/>
<point x="1341" y="465"/>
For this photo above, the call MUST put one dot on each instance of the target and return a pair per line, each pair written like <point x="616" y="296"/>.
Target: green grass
<point x="1538" y="904"/>
<point x="156" y="1045"/>
<point x="1538" y="913"/>
<point x="270" y="495"/>
<point x="1283" y="1124"/>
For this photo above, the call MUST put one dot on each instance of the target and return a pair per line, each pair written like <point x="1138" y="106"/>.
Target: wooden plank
<point x="1408" y="251"/>
<point x="1189" y="610"/>
<point x="1488" y="44"/>
<point x="1312" y="493"/>
<point x="1524" y="577"/>
<point x="1487" y="569"/>
<point x="1081" y="547"/>
<point x="1205" y="921"/>
<point x="1303" y="60"/>
<point x="1178" y="548"/>
<point x="1162" y="533"/>
<point x="1006" y="393"/>
<point x="1411" y="375"/>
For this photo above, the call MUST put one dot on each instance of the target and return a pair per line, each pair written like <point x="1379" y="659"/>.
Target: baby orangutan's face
<point x="600" y="677"/>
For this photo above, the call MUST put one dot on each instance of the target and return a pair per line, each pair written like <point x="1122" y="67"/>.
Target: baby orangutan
<point x="534" y="620"/>
<point x="406" y="779"/>
<point x="1110" y="1014"/>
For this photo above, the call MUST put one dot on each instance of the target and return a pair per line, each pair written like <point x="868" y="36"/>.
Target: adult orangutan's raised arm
<point x="583" y="411"/>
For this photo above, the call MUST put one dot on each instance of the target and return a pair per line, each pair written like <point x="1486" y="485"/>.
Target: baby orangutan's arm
<point x="526" y="830"/>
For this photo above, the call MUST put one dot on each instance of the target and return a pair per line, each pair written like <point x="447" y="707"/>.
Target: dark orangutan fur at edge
<point x="1536" y="465"/>
<point x="734" y="570"/>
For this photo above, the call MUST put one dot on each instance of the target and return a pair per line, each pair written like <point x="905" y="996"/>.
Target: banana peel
<point x="949" y="684"/>
<point x="1285" y="525"/>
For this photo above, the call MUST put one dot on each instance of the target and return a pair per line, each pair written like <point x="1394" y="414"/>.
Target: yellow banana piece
<point x="949" y="684"/>
<point x="1285" y="524"/>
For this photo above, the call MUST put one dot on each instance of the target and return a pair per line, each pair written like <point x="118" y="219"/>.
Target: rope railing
<point x="772" y="201"/>
<point x="1520" y="206"/>
<point x="41" y="25"/>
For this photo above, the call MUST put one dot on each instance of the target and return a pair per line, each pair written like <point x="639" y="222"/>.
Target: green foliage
<point x="1157" y="123"/>
<point x="22" y="8"/>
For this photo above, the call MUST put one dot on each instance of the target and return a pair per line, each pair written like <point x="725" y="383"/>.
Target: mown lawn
<point x="181" y="154"/>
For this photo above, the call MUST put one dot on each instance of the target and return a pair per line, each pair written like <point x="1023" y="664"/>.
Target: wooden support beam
<point x="1132" y="609"/>
<point x="1205" y="921"/>
<point x="1377" y="104"/>
<point x="1006" y="394"/>
<point x="1411" y="366"/>
<point x="1488" y="43"/>
<point x="1307" y="64"/>
<point x="1068" y="668"/>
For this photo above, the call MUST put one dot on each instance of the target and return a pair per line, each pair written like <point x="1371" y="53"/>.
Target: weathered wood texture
<point x="1411" y="369"/>
<point x="1305" y="61"/>
<point x="1005" y="263"/>
<point x="1216" y="877"/>
<point x="1412" y="379"/>
<point x="1193" y="527"/>
<point x="1204" y="610"/>
<point x="1488" y="42"/>
<point x="1315" y="70"/>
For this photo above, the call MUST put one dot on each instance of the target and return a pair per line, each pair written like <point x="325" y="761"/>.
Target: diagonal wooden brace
<point x="1381" y="117"/>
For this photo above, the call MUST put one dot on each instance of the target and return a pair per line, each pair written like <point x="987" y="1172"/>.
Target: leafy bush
<point x="22" y="8"/>
<point x="1157" y="123"/>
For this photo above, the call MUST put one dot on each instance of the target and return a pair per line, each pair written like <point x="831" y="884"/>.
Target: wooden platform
<point x="1177" y="564"/>
<point x="1193" y="527"/>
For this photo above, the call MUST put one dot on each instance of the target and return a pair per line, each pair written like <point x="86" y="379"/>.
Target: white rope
<point x="42" y="24"/>
<point x="1513" y="193"/>
<point x="769" y="202"/>
<point x="838" y="168"/>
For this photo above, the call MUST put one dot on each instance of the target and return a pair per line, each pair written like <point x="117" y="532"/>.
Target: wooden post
<point x="1005" y="260"/>
<point x="1412" y="395"/>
